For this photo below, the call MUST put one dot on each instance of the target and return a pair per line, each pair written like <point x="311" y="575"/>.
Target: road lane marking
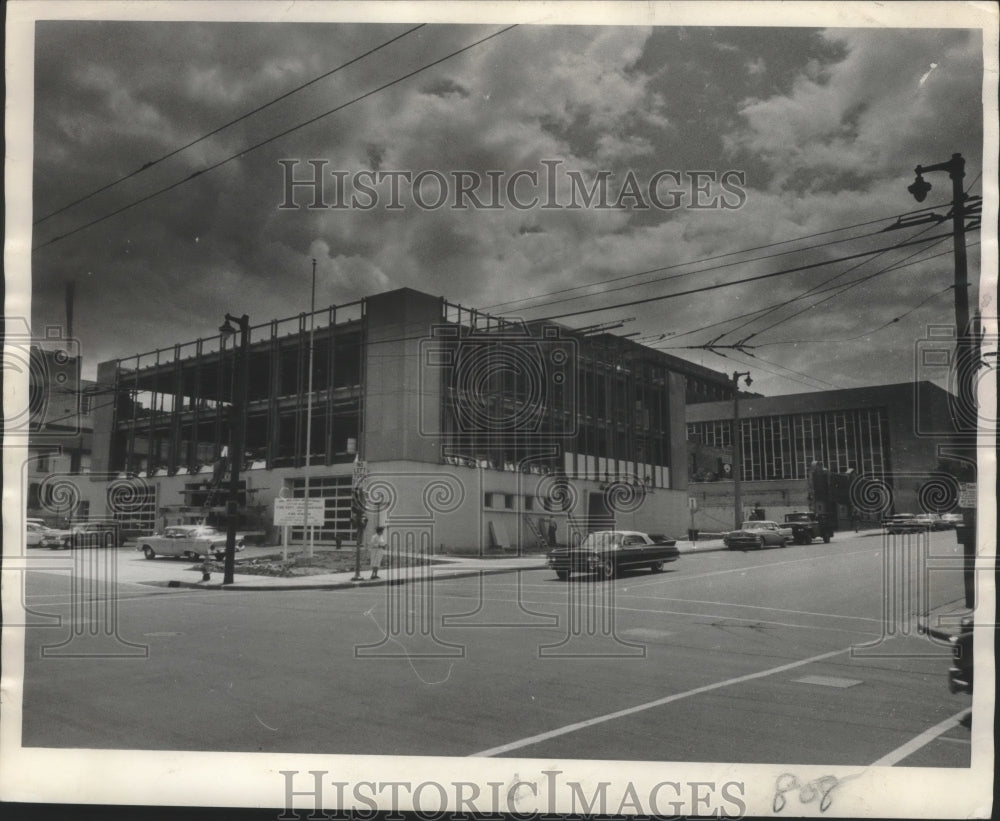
<point x="829" y="681"/>
<point x="922" y="740"/>
<point x="649" y="705"/>
<point x="624" y="592"/>
<point x="619" y="609"/>
<point x="662" y="578"/>
<point x="762" y="607"/>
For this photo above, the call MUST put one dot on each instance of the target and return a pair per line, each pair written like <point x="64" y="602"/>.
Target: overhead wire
<point x="730" y="356"/>
<point x="839" y="288"/>
<point x="847" y="286"/>
<point x="224" y="126"/>
<point x="731" y="283"/>
<point x="710" y="259"/>
<point x="272" y="138"/>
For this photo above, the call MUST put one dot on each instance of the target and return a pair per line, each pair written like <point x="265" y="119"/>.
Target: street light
<point x="235" y="434"/>
<point x="964" y="356"/>
<point x="966" y="343"/>
<point x="738" y="445"/>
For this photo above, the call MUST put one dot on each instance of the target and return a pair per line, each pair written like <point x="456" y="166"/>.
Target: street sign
<point x="360" y="469"/>
<point x="967" y="494"/>
<point x="692" y="503"/>
<point x="293" y="512"/>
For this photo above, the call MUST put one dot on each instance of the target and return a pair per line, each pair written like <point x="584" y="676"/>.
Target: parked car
<point x="929" y="521"/>
<point x="906" y="523"/>
<point x="808" y="526"/>
<point x="758" y="534"/>
<point x="88" y="534"/>
<point x="949" y="520"/>
<point x="38" y="535"/>
<point x="606" y="552"/>
<point x="187" y="541"/>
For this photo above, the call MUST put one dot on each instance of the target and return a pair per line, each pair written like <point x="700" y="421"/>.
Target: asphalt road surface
<point x="806" y="654"/>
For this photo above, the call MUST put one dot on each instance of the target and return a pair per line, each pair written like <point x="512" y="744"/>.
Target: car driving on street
<point x="606" y="552"/>
<point x="807" y="526"/>
<point x="758" y="534"/>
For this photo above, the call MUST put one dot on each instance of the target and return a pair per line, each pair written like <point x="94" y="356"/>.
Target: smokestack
<point x="70" y="287"/>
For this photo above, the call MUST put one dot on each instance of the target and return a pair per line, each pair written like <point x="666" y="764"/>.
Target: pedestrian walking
<point x="376" y="550"/>
<point x="552" y="532"/>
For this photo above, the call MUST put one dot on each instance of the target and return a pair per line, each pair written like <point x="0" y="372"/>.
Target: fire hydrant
<point x="206" y="568"/>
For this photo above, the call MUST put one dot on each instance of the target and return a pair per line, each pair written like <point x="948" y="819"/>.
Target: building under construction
<point x="466" y="430"/>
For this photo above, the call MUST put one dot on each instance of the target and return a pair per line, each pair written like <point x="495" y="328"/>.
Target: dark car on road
<point x="808" y="526"/>
<point x="606" y="552"/>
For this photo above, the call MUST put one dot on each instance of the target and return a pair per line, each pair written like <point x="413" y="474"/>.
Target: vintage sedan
<point x="930" y="521"/>
<point x="903" y="523"/>
<point x="605" y="552"/>
<point x="38" y="535"/>
<point x="87" y="534"/>
<point x="951" y="520"/>
<point x="186" y="541"/>
<point x="757" y="535"/>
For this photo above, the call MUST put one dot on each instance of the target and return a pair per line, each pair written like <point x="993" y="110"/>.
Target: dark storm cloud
<point x="826" y="124"/>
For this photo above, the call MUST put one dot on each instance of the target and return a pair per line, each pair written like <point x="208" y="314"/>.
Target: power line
<point x="845" y="287"/>
<point x="884" y="325"/>
<point x="271" y="139"/>
<point x="894" y="266"/>
<point x="709" y="269"/>
<point x="716" y="286"/>
<point x="839" y="288"/>
<point x="758" y="359"/>
<point x="215" y="131"/>
<point x="710" y="259"/>
<point x="728" y="355"/>
<point x="815" y="289"/>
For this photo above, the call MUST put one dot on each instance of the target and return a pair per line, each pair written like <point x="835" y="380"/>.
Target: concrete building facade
<point x="465" y="431"/>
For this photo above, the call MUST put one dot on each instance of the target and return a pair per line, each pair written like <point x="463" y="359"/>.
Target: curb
<point x="350" y="585"/>
<point x="347" y="585"/>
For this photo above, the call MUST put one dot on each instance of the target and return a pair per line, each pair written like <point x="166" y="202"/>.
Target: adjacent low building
<point x="890" y="436"/>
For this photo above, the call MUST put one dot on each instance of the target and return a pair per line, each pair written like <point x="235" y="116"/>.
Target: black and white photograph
<point x="522" y="408"/>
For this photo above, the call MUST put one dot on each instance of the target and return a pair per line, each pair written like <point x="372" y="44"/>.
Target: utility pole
<point x="965" y="410"/>
<point x="309" y="404"/>
<point x="240" y="371"/>
<point x="738" y="446"/>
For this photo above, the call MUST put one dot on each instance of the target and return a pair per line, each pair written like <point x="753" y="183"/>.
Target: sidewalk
<point x="133" y="568"/>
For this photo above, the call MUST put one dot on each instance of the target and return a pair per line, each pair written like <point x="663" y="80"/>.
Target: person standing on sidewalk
<point x="376" y="550"/>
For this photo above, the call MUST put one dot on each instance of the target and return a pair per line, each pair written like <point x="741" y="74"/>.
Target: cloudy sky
<point x="805" y="140"/>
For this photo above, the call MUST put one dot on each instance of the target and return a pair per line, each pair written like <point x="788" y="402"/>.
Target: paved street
<point x="727" y="656"/>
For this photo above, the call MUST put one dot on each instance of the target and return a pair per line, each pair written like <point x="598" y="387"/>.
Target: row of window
<point x="784" y="447"/>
